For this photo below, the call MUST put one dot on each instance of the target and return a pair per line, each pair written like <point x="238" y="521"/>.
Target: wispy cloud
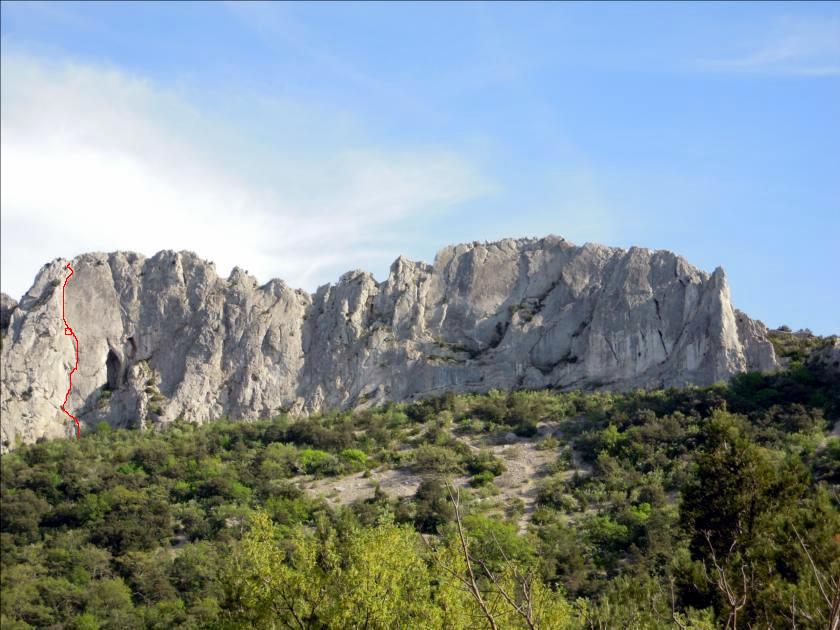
<point x="96" y="159"/>
<point x="796" y="47"/>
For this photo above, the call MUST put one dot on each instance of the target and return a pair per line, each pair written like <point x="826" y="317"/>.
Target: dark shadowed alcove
<point x="114" y="370"/>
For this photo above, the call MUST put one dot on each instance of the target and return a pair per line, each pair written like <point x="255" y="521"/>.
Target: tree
<point x="109" y="601"/>
<point x="754" y="519"/>
<point x="387" y="581"/>
<point x="432" y="508"/>
<point x="270" y="586"/>
<point x="509" y="596"/>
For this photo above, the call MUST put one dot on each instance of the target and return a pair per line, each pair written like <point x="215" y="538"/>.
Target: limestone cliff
<point x="164" y="337"/>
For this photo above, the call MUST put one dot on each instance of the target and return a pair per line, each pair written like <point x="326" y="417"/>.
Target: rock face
<point x="164" y="337"/>
<point x="7" y="307"/>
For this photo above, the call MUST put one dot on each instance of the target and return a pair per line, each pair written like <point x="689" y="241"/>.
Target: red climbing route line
<point x="69" y="332"/>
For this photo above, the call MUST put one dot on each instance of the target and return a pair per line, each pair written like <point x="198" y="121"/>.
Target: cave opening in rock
<point x="113" y="370"/>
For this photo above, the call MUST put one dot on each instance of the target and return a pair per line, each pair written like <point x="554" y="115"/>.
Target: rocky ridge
<point x="165" y="337"/>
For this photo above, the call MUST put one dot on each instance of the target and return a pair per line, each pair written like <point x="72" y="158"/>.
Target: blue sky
<point x="303" y="140"/>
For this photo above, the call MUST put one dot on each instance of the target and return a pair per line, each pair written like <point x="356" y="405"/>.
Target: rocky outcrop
<point x="164" y="337"/>
<point x="7" y="307"/>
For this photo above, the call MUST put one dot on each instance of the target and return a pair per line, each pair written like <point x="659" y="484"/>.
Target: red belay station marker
<point x="69" y="332"/>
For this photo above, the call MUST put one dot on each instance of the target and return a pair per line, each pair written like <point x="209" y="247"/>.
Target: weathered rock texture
<point x="7" y="307"/>
<point x="164" y="337"/>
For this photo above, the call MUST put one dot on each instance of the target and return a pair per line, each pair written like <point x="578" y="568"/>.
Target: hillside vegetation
<point x="691" y="508"/>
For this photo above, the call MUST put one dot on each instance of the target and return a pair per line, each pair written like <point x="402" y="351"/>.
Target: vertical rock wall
<point x="164" y="337"/>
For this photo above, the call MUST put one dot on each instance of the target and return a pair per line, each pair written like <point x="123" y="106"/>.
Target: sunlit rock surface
<point x="164" y="337"/>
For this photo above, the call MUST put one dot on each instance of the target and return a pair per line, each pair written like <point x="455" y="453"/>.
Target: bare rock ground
<point x="525" y="465"/>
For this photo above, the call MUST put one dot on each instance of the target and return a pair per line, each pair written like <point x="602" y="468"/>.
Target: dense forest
<point x="686" y="508"/>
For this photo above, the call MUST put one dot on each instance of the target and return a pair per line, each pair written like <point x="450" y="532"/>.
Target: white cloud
<point x="796" y="47"/>
<point x="96" y="160"/>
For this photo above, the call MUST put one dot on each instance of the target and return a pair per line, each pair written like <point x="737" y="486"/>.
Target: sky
<point x="301" y="141"/>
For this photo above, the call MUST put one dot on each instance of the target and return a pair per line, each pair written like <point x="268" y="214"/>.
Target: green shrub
<point x="481" y="479"/>
<point x="354" y="459"/>
<point x="430" y="458"/>
<point x="319" y="463"/>
<point x="483" y="462"/>
<point x="432" y="506"/>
